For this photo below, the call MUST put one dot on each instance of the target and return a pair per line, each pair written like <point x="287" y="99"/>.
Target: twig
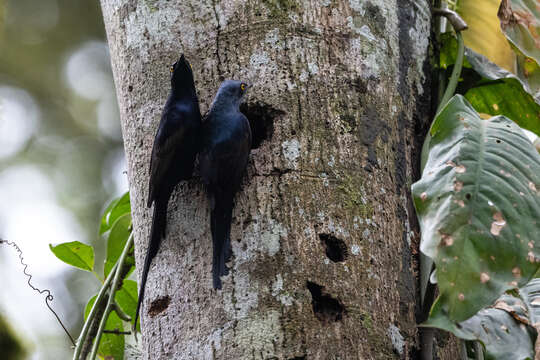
<point x="479" y="350"/>
<point x="456" y="72"/>
<point x="87" y="343"/>
<point x="455" y="20"/>
<point x="117" y="332"/>
<point x="47" y="292"/>
<point x="463" y="350"/>
<point x="121" y="314"/>
<point x="448" y="93"/>
<point x="110" y="302"/>
<point x="98" y="304"/>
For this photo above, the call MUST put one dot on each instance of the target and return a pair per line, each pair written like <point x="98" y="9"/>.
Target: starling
<point x="176" y="145"/>
<point x="226" y="142"/>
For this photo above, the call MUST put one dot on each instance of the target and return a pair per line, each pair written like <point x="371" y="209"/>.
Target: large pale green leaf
<point x="116" y="209"/>
<point x="111" y="346"/>
<point x="530" y="294"/>
<point x="503" y="337"/>
<point x="520" y="22"/>
<point x="492" y="90"/>
<point x="76" y="254"/>
<point x="478" y="205"/>
<point x="116" y="242"/>
<point x="528" y="71"/>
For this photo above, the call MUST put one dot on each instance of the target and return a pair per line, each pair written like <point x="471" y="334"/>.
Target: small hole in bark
<point x="325" y="307"/>
<point x="130" y="88"/>
<point x="159" y="305"/>
<point x="468" y="196"/>
<point x="498" y="141"/>
<point x="261" y="119"/>
<point x="302" y="357"/>
<point x="335" y="248"/>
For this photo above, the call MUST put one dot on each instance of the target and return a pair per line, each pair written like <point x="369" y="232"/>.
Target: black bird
<point x="223" y="160"/>
<point x="176" y="145"/>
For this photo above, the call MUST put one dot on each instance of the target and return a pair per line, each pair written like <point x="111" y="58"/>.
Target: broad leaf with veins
<point x="478" y="204"/>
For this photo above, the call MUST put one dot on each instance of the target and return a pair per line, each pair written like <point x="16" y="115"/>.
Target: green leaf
<point x="503" y="337"/>
<point x="492" y="90"/>
<point x="448" y="52"/>
<point x="499" y="92"/>
<point x="111" y="345"/>
<point x="116" y="209"/>
<point x="478" y="205"/>
<point x="127" y="297"/>
<point x="117" y="239"/>
<point x="76" y="254"/>
<point x="530" y="294"/>
<point x="528" y="71"/>
<point x="520" y="22"/>
<point x="536" y="144"/>
<point x="104" y="226"/>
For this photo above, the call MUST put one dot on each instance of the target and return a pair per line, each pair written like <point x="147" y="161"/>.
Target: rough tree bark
<point x="323" y="233"/>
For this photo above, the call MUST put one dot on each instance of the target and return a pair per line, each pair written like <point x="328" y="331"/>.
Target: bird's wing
<point x="171" y="132"/>
<point x="224" y="161"/>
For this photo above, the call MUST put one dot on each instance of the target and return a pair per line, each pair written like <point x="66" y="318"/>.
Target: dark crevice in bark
<point x="336" y="249"/>
<point x="261" y="119"/>
<point x="326" y="308"/>
<point x="159" y="305"/>
<point x="218" y="33"/>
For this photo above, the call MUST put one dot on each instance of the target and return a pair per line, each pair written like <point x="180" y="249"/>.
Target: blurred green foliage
<point x="38" y="41"/>
<point x="67" y="145"/>
<point x="9" y="344"/>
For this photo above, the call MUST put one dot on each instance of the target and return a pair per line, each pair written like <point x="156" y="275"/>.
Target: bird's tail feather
<point x="157" y="232"/>
<point x="221" y="216"/>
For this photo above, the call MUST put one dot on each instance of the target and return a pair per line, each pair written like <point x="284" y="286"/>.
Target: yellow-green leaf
<point x="76" y="254"/>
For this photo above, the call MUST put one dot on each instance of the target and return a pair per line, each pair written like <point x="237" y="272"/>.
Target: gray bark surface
<point x="323" y="230"/>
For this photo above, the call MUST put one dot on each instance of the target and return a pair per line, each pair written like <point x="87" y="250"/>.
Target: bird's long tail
<point x="157" y="232"/>
<point x="220" y="219"/>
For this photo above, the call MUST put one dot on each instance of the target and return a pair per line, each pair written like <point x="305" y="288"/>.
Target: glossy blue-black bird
<point x="223" y="160"/>
<point x="176" y="145"/>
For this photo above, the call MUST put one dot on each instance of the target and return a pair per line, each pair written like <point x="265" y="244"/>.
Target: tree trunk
<point x="324" y="233"/>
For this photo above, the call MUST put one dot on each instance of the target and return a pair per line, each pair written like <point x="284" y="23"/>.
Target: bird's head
<point x="231" y="92"/>
<point x="181" y="73"/>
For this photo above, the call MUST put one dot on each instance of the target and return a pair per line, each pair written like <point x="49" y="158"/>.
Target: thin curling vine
<point x="48" y="295"/>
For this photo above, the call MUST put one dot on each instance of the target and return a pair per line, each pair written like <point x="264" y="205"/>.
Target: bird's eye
<point x="191" y="67"/>
<point x="243" y="87"/>
<point x="172" y="68"/>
